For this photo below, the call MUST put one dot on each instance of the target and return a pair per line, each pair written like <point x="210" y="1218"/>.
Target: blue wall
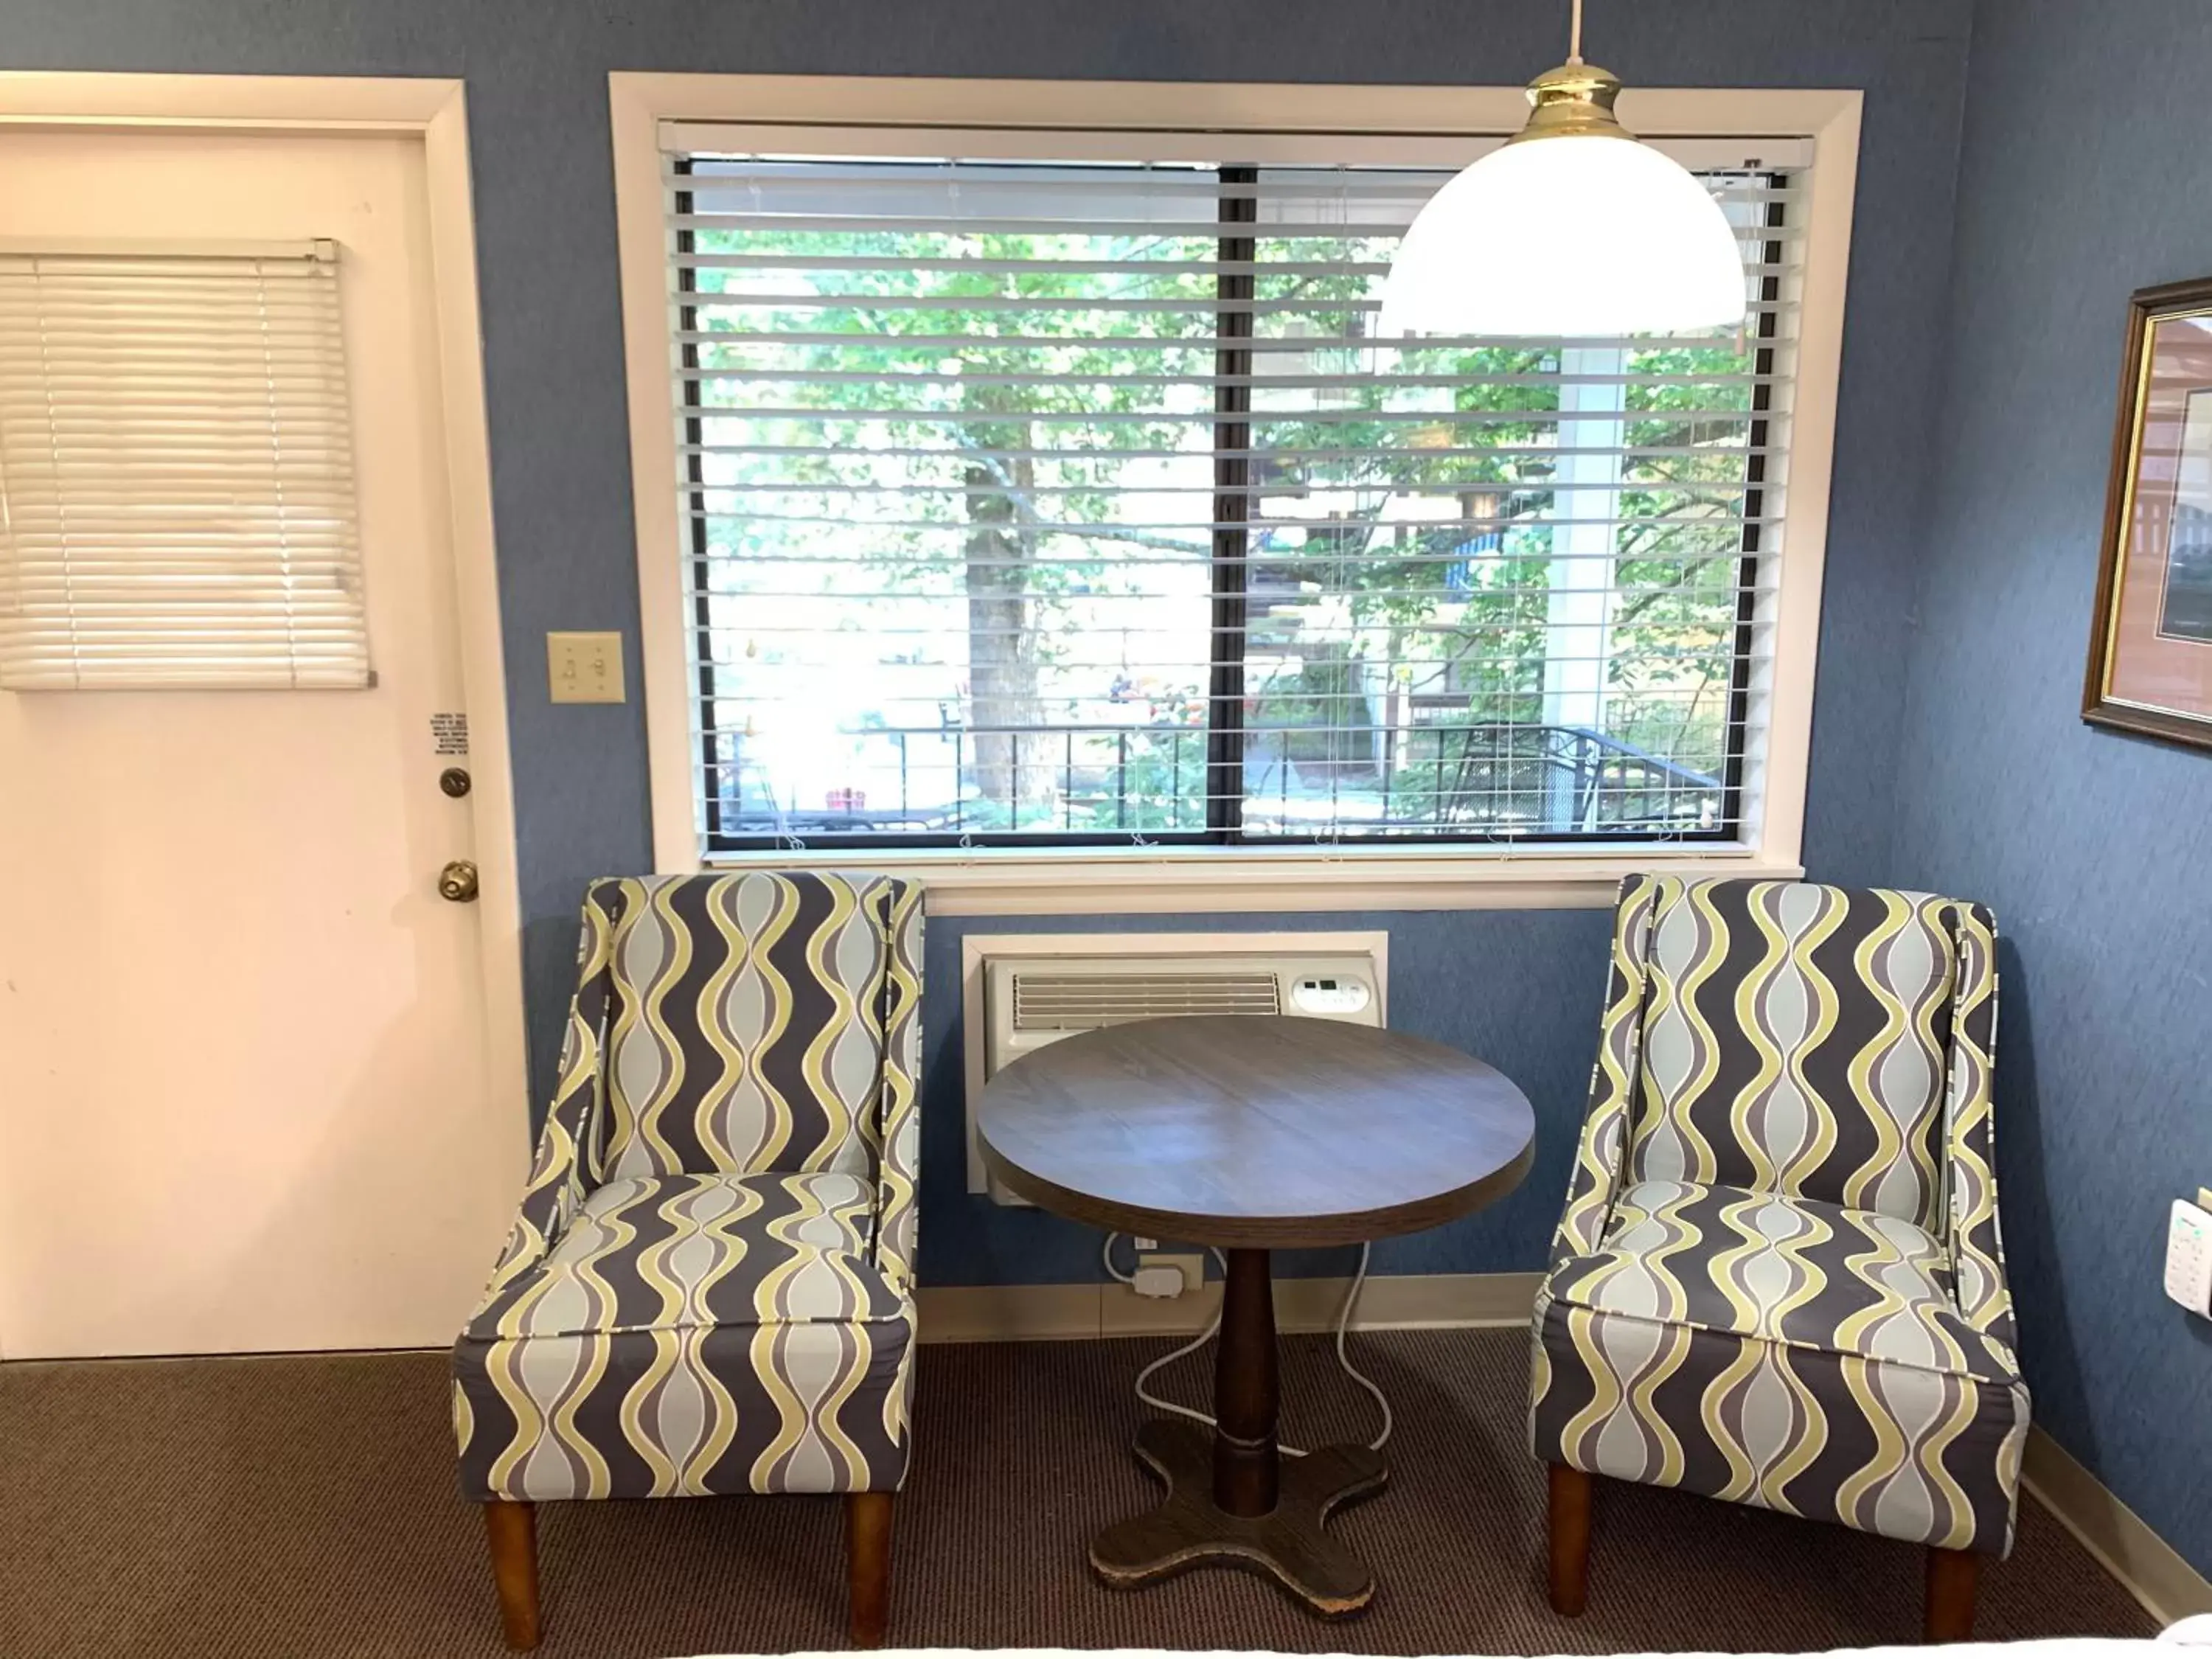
<point x="1520" y="988"/>
<point x="2088" y="173"/>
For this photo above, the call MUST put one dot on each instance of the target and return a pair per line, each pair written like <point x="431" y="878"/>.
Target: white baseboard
<point x="1058" y="1313"/>
<point x="2147" y="1567"/>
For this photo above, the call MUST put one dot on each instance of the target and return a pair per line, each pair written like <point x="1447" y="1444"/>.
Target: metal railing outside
<point x="1474" y="778"/>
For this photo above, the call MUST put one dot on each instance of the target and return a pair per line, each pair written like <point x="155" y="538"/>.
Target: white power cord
<point x="1214" y="1325"/>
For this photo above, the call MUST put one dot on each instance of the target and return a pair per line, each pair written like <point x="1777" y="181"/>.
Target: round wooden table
<point x="1250" y="1134"/>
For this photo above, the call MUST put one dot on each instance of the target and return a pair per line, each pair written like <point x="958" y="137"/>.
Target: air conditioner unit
<point x="1032" y="999"/>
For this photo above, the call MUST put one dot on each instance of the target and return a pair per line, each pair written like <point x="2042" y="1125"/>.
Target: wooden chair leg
<point x="868" y="1561"/>
<point x="1570" y="1535"/>
<point x="1948" y="1612"/>
<point x="511" y="1530"/>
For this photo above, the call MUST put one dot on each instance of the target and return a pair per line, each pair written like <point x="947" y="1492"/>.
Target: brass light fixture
<point x="1571" y="228"/>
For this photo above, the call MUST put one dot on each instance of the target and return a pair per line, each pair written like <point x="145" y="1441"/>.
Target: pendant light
<point x="1571" y="228"/>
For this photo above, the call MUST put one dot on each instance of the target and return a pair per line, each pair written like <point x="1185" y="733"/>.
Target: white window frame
<point x="1378" y="125"/>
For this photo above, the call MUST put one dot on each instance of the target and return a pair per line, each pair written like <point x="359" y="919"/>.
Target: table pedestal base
<point x="1189" y="1529"/>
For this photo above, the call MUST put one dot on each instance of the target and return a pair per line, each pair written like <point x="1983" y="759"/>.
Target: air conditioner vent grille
<point x="1077" y="1002"/>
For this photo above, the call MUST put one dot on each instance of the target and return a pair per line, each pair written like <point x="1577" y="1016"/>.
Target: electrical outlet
<point x="584" y="667"/>
<point x="2188" y="1258"/>
<point x="1189" y="1269"/>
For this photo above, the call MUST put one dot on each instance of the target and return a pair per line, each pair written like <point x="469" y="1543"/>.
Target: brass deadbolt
<point x="458" y="881"/>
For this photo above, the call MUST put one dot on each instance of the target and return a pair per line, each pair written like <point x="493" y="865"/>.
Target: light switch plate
<point x="2188" y="1258"/>
<point x="584" y="667"/>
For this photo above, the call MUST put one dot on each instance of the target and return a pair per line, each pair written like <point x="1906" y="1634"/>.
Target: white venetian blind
<point x="1080" y="502"/>
<point x="176" y="473"/>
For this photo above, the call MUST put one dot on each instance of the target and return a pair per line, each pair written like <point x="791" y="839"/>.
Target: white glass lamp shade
<point x="1573" y="234"/>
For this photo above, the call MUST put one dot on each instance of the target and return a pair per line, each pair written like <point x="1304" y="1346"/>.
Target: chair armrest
<point x="1602" y="1150"/>
<point x="567" y="1163"/>
<point x="898" y="1148"/>
<point x="1976" y="1245"/>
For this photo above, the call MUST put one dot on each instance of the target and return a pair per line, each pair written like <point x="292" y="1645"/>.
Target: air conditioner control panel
<point x="1325" y="995"/>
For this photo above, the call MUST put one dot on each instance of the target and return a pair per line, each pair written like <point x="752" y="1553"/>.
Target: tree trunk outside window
<point x="1012" y="769"/>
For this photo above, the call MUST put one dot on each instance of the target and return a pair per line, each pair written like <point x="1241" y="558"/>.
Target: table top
<point x="1252" y="1132"/>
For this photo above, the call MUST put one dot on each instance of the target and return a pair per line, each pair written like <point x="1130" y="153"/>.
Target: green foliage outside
<point x="1019" y="568"/>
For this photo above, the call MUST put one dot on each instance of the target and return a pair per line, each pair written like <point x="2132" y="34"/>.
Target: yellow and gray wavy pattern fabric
<point x="1778" y="1279"/>
<point x="708" y="1288"/>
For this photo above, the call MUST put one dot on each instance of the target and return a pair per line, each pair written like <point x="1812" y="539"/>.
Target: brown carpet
<point x="305" y="1506"/>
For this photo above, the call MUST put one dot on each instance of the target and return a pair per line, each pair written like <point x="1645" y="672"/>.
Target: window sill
<point x="1092" y="881"/>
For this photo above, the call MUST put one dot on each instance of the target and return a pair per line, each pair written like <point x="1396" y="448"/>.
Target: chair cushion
<point x="1782" y="1269"/>
<point x="686" y="1251"/>
<point x="1783" y="1352"/>
<point x="1793" y="1040"/>
<point x="748" y="1023"/>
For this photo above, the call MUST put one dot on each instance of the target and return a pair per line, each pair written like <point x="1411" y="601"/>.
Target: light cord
<point x="1575" y="32"/>
<point x="1213" y="1325"/>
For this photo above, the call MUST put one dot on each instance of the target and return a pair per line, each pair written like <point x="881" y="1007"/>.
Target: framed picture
<point x="2150" y="653"/>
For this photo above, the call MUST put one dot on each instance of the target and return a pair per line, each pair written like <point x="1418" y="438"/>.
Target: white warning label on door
<point x="449" y="734"/>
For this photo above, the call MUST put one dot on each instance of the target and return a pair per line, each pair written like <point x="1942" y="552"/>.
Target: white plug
<point x="2188" y="1258"/>
<point x="1158" y="1280"/>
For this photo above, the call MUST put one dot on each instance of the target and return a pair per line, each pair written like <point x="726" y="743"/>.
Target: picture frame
<point x="2150" y="646"/>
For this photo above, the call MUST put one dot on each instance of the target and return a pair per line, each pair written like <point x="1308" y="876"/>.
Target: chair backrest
<point x="1795" y="1039"/>
<point x="744" y="1022"/>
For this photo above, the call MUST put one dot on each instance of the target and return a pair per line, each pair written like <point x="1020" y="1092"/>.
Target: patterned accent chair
<point x="1778" y="1279"/>
<point x="709" y="1288"/>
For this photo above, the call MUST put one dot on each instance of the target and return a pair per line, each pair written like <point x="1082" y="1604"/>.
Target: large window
<point x="1060" y="502"/>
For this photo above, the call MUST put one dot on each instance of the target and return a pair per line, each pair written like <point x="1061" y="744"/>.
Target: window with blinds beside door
<point x="176" y="506"/>
<point x="1060" y="504"/>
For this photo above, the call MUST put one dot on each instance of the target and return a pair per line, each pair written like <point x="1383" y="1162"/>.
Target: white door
<point x="246" y="1102"/>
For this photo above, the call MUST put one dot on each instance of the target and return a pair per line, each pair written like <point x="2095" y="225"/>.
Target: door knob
<point x="458" y="881"/>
